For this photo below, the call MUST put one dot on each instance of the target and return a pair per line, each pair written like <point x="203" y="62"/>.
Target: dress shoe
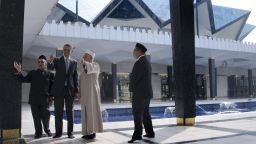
<point x="134" y="139"/>
<point x="37" y="136"/>
<point x="149" y="135"/>
<point x="57" y="136"/>
<point x="91" y="136"/>
<point x="84" y="137"/>
<point x="48" y="133"/>
<point x="71" y="136"/>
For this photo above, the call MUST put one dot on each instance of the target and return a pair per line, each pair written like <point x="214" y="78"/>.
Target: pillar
<point x="11" y="43"/>
<point x="250" y="93"/>
<point x="232" y="90"/>
<point x="183" y="50"/>
<point x="114" y="80"/>
<point x="212" y="78"/>
<point x="169" y="81"/>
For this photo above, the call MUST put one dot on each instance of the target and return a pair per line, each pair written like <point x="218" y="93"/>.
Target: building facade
<point x="112" y="27"/>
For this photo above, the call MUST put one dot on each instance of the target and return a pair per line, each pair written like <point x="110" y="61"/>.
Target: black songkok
<point x="141" y="47"/>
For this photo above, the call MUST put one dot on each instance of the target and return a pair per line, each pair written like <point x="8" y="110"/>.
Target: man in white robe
<point x="90" y="96"/>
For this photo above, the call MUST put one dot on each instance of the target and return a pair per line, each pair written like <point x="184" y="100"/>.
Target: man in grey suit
<point x="65" y="88"/>
<point x="141" y="88"/>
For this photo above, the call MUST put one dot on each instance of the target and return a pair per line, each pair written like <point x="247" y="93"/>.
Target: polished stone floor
<point x="230" y="128"/>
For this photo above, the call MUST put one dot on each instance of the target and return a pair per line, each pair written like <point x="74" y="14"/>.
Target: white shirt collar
<point x="139" y="57"/>
<point x="66" y="58"/>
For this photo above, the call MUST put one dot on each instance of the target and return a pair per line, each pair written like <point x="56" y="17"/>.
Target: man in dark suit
<point x="39" y="95"/>
<point x="141" y="89"/>
<point x="65" y="88"/>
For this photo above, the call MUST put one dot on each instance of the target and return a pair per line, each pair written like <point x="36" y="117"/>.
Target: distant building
<point x="112" y="27"/>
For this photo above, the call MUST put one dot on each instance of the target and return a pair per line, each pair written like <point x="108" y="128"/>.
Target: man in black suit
<point x="65" y="88"/>
<point x="39" y="95"/>
<point x="141" y="89"/>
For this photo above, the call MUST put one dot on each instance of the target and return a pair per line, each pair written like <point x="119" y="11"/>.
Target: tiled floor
<point x="232" y="128"/>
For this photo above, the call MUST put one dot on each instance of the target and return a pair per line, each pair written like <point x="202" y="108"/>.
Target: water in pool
<point x="125" y="114"/>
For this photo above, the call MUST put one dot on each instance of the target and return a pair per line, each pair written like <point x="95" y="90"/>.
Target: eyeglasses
<point x="40" y="61"/>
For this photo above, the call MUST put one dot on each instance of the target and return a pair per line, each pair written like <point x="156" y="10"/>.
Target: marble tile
<point x="218" y="129"/>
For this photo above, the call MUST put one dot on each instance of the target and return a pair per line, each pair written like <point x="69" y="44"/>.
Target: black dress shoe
<point x="91" y="136"/>
<point x="57" y="136"/>
<point x="48" y="133"/>
<point x="134" y="139"/>
<point x="71" y="136"/>
<point x="149" y="135"/>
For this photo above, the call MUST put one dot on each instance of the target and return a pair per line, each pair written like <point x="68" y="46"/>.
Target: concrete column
<point x="250" y="83"/>
<point x="114" y="80"/>
<point x="169" y="80"/>
<point x="183" y="49"/>
<point x="212" y="78"/>
<point x="232" y="90"/>
<point x="216" y="81"/>
<point x="11" y="44"/>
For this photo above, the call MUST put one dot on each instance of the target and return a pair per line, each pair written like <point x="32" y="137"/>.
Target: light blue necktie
<point x="66" y="65"/>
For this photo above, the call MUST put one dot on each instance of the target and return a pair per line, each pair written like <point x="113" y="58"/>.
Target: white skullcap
<point x="91" y="53"/>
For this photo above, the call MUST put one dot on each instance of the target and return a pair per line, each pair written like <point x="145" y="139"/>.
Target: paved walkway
<point x="232" y="128"/>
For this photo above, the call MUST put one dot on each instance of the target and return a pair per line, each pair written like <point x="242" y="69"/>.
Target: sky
<point x="246" y="5"/>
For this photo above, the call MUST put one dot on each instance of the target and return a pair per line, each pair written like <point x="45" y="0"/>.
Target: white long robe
<point x="90" y="100"/>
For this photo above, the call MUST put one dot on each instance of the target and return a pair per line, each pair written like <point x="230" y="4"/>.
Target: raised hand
<point x="82" y="61"/>
<point x="17" y="66"/>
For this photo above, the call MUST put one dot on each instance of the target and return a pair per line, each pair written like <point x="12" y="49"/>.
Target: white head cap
<point x="91" y="53"/>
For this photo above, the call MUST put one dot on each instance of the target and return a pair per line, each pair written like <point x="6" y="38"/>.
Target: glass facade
<point x="125" y="10"/>
<point x="224" y="15"/>
<point x="123" y="87"/>
<point x="160" y="8"/>
<point x="165" y="93"/>
<point x="201" y="87"/>
<point x="106" y="87"/>
<point x="238" y="86"/>
<point x="87" y="9"/>
<point x="93" y="11"/>
<point x="246" y="29"/>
